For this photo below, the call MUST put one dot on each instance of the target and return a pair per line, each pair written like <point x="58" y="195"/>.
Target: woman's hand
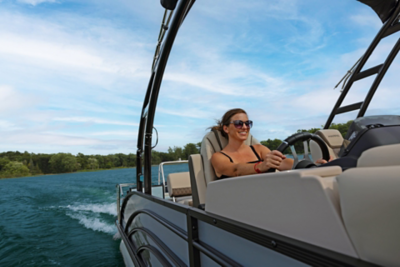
<point x="273" y="159"/>
<point x="322" y="161"/>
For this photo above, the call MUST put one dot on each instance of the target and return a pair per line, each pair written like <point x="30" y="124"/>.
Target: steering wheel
<point x="304" y="136"/>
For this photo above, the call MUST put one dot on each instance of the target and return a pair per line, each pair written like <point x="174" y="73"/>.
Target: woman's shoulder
<point x="258" y="146"/>
<point x="261" y="149"/>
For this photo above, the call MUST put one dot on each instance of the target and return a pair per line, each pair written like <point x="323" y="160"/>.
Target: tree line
<point x="17" y="164"/>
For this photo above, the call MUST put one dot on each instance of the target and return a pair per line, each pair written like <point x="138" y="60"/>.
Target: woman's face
<point x="238" y="133"/>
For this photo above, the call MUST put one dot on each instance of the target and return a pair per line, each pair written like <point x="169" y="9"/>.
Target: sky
<point x="73" y="74"/>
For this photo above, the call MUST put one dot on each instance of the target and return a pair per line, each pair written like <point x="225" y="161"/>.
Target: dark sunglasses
<point x="239" y="124"/>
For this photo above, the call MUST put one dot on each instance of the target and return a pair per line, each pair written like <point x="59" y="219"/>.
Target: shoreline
<point x="86" y="170"/>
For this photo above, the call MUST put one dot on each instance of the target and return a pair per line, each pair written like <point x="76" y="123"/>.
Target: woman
<point x="237" y="158"/>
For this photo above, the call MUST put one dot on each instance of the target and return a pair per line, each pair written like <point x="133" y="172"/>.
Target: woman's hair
<point x="226" y="120"/>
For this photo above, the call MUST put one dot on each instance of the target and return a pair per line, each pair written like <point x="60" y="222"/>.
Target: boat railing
<point x="161" y="175"/>
<point x="120" y="193"/>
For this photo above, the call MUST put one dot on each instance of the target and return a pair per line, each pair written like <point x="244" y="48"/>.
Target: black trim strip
<point x="156" y="253"/>
<point x="175" y="206"/>
<point x="171" y="255"/>
<point x="193" y="235"/>
<point x="368" y="72"/>
<point x="215" y="255"/>
<point x="174" y="228"/>
<point x="348" y="108"/>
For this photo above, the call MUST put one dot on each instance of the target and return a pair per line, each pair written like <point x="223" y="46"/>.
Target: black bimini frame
<point x="389" y="12"/>
<point x="150" y="101"/>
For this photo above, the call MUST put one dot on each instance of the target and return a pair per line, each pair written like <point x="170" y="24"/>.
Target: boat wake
<point x="95" y="217"/>
<point x="108" y="208"/>
<point x="95" y="224"/>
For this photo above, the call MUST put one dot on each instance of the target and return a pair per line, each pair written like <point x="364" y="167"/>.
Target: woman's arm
<point x="273" y="159"/>
<point x="223" y="166"/>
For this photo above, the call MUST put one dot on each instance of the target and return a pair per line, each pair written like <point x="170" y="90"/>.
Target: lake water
<point x="64" y="219"/>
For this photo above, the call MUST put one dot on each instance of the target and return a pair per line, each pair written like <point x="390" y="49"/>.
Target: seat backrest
<point x="179" y="184"/>
<point x="388" y="155"/>
<point x="332" y="138"/>
<point x="197" y="180"/>
<point x="370" y="204"/>
<point x="215" y="142"/>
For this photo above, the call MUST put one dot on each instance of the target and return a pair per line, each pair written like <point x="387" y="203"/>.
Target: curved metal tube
<point x="171" y="255"/>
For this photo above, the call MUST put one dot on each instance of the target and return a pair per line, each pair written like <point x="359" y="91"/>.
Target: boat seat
<point x="201" y="169"/>
<point x="301" y="204"/>
<point x="332" y="138"/>
<point x="197" y="180"/>
<point x="388" y="155"/>
<point x="179" y="187"/>
<point x="370" y="204"/>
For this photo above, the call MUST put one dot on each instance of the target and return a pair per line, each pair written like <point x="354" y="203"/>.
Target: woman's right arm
<point x="223" y="166"/>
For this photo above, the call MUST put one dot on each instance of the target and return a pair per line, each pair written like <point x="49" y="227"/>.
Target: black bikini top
<point x="255" y="153"/>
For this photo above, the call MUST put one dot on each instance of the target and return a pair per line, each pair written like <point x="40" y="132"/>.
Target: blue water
<point x="63" y="220"/>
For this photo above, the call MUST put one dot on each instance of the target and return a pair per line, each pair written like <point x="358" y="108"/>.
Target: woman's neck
<point x="235" y="145"/>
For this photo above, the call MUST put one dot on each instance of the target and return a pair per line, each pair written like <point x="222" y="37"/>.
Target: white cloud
<point x="76" y="81"/>
<point x="36" y="2"/>
<point x="94" y="120"/>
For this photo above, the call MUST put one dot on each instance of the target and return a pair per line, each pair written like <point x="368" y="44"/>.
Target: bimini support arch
<point x="389" y="13"/>
<point x="144" y="141"/>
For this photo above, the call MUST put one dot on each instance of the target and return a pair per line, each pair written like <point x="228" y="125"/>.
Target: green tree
<point x="272" y="144"/>
<point x="14" y="169"/>
<point x="3" y="162"/>
<point x="92" y="163"/>
<point x="155" y="157"/>
<point x="63" y="162"/>
<point x="131" y="160"/>
<point x="176" y="153"/>
<point x="190" y="149"/>
<point x="82" y="160"/>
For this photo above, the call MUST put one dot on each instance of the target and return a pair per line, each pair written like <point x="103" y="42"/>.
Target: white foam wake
<point x="95" y="224"/>
<point x="96" y="208"/>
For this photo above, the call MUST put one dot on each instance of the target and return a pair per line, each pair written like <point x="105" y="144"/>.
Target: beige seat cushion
<point x="293" y="203"/>
<point x="197" y="179"/>
<point x="380" y="156"/>
<point x="370" y="203"/>
<point x="179" y="184"/>
<point x="332" y="138"/>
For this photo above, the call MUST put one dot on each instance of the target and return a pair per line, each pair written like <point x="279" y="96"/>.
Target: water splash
<point x="94" y="224"/>
<point x="108" y="208"/>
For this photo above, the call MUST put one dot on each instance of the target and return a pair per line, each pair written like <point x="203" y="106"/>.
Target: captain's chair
<point x="200" y="167"/>
<point x="333" y="139"/>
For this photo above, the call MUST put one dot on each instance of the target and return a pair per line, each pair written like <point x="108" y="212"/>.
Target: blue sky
<point x="73" y="74"/>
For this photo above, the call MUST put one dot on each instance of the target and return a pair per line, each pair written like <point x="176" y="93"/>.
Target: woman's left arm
<point x="286" y="164"/>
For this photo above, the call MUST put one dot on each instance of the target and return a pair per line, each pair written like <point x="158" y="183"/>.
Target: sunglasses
<point x="239" y="124"/>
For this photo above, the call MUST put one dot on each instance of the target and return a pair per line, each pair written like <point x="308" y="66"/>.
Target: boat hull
<point x="159" y="232"/>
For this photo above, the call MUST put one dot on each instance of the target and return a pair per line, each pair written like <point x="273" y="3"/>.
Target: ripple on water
<point x="65" y="220"/>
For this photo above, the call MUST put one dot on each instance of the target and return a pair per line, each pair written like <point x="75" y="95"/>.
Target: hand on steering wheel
<point x="274" y="159"/>
<point x="304" y="136"/>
